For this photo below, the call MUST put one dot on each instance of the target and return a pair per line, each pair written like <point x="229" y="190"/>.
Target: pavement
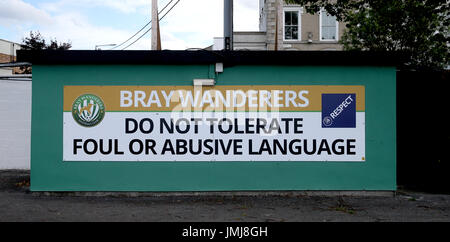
<point x="18" y="204"/>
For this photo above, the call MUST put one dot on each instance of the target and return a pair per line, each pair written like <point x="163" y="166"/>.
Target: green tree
<point x="37" y="42"/>
<point x="417" y="27"/>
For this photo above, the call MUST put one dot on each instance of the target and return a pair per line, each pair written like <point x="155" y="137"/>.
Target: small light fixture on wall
<point x="310" y="35"/>
<point x="209" y="82"/>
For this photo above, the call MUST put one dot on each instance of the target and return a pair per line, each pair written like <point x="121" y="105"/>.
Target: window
<point x="292" y="24"/>
<point x="328" y="26"/>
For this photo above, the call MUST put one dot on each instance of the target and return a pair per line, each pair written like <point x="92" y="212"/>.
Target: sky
<point x="87" y="23"/>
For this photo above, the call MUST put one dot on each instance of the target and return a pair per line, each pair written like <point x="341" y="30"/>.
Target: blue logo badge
<point x="339" y="110"/>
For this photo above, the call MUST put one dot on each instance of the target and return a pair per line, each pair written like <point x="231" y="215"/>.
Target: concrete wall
<point x="243" y="41"/>
<point x="15" y="124"/>
<point x="249" y="41"/>
<point x="262" y="16"/>
<point x="6" y="71"/>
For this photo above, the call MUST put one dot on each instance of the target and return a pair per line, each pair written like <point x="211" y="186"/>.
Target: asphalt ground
<point x="18" y="204"/>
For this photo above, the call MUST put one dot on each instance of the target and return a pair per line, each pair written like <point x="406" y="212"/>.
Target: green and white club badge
<point x="88" y="110"/>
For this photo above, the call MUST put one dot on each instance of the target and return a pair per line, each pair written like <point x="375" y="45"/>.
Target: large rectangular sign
<point x="221" y="123"/>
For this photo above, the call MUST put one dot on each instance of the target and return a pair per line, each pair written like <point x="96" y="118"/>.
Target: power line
<point x="150" y="27"/>
<point x="141" y="28"/>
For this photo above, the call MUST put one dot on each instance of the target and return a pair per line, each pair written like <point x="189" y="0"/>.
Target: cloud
<point x="246" y="15"/>
<point x="170" y="42"/>
<point x="124" y="6"/>
<point x="75" y="28"/>
<point x="197" y="22"/>
<point x="13" y="12"/>
<point x="64" y="25"/>
<point x="190" y="24"/>
<point x="195" y="17"/>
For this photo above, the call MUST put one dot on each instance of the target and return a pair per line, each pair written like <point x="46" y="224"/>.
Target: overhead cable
<point x="150" y="27"/>
<point x="141" y="28"/>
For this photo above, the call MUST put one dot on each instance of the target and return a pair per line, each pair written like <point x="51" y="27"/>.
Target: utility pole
<point x="228" y="24"/>
<point x="156" y="38"/>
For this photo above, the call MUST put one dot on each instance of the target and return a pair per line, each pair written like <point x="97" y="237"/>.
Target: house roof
<point x="12" y="42"/>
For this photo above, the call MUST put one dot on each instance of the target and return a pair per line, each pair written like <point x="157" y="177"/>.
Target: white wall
<point x="249" y="40"/>
<point x="15" y="124"/>
<point x="218" y="43"/>
<point x="8" y="48"/>
<point x="6" y="71"/>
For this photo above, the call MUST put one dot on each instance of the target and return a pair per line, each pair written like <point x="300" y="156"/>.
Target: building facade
<point x="288" y="27"/>
<point x="8" y="53"/>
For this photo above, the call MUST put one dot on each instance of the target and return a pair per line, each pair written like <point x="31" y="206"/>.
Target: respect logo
<point x="338" y="110"/>
<point x="88" y="110"/>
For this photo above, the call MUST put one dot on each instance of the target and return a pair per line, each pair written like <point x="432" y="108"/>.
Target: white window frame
<point x="320" y="28"/>
<point x="299" y="10"/>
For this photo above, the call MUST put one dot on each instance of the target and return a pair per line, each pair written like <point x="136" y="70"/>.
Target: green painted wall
<point x="50" y="173"/>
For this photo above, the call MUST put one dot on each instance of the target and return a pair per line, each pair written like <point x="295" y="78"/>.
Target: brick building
<point x="8" y="54"/>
